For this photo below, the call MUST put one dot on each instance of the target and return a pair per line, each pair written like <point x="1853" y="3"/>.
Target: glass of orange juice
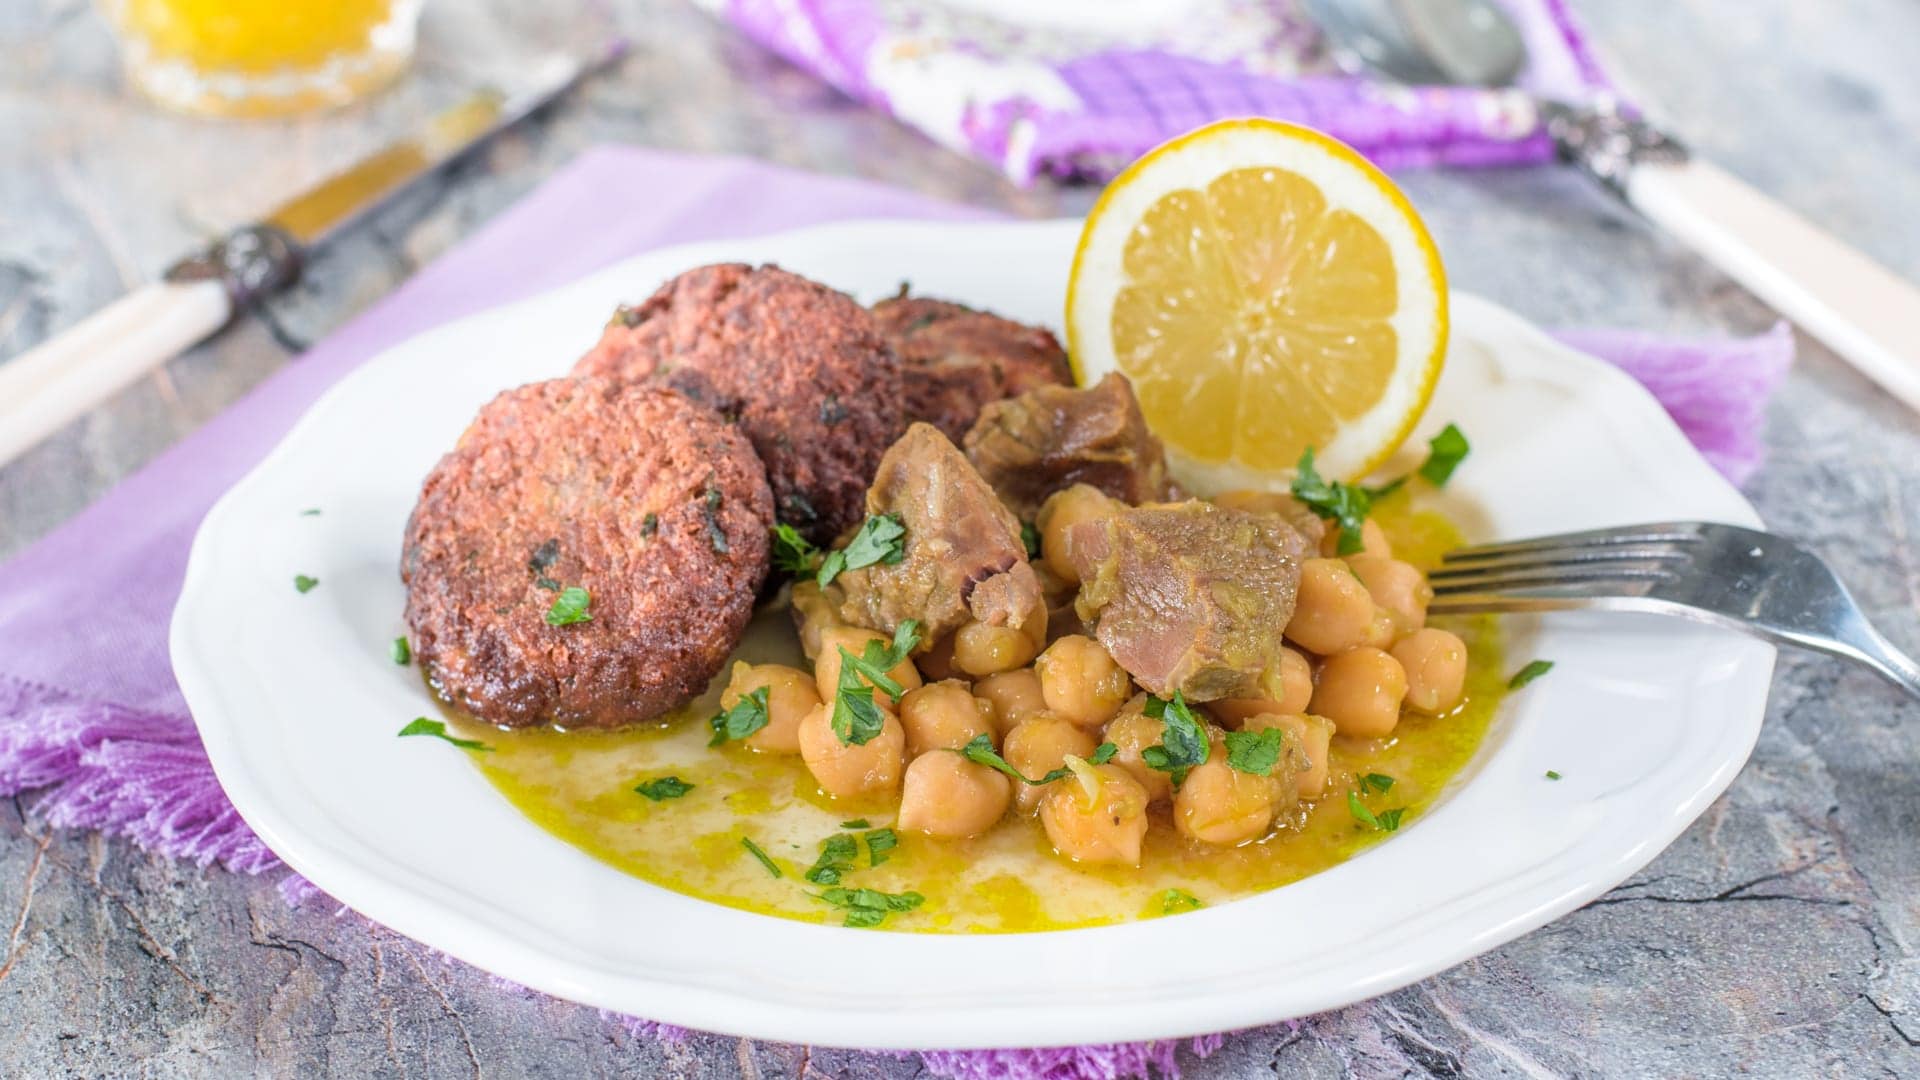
<point x="262" y="57"/>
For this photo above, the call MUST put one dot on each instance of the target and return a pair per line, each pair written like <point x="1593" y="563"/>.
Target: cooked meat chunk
<point x="804" y="369"/>
<point x="1190" y="597"/>
<point x="963" y="559"/>
<point x="1291" y="510"/>
<point x="1053" y="437"/>
<point x="651" y="503"/>
<point x="958" y="359"/>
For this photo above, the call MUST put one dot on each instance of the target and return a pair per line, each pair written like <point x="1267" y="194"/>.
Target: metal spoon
<point x="1860" y="309"/>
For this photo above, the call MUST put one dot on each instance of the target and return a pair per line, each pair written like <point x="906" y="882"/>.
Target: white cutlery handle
<point x="1860" y="309"/>
<point x="49" y="385"/>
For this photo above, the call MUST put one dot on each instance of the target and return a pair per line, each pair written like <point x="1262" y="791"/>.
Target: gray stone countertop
<point x="1780" y="935"/>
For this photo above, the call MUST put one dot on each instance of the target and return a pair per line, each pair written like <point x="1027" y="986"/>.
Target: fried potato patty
<point x="803" y="368"/>
<point x="650" y="502"/>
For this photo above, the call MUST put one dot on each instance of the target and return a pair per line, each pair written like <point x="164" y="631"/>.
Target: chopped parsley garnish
<point x="666" y="787"/>
<point x="1532" y="671"/>
<point x="881" y="539"/>
<point x="747" y="716"/>
<point x="793" y="553"/>
<point x="1344" y="504"/>
<point x="1551" y="775"/>
<point x="1183" y="742"/>
<point x="313" y="511"/>
<point x="981" y="752"/>
<point x="867" y="908"/>
<point x="1384" y="821"/>
<point x="544" y="557"/>
<point x="1030" y="538"/>
<point x="569" y="607"/>
<point x="754" y="850"/>
<point x="1174" y="901"/>
<point x="423" y="726"/>
<point x="649" y="524"/>
<point x="304" y="583"/>
<point x="857" y="823"/>
<point x="837" y="855"/>
<point x="1377" y="782"/>
<point x="856" y="719"/>
<point x="880" y="845"/>
<point x="1445" y="451"/>
<point x="1255" y="752"/>
<point x="401" y="652"/>
<point x="716" y="534"/>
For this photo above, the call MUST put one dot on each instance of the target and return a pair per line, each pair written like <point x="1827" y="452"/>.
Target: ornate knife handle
<point x="1606" y="144"/>
<point x="249" y="263"/>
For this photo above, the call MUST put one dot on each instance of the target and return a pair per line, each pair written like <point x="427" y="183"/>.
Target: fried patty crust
<point x="642" y="497"/>
<point x="803" y="369"/>
<point x="958" y="359"/>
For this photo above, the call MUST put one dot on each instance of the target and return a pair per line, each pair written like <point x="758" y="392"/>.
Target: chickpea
<point x="1219" y="804"/>
<point x="1399" y="587"/>
<point x="1373" y="540"/>
<point x="1059" y="514"/>
<point x="1436" y="667"/>
<point x="1382" y="631"/>
<point x="1038" y="746"/>
<point x="1307" y="739"/>
<point x="1290" y="682"/>
<point x="983" y="649"/>
<point x="1080" y="682"/>
<point x="1360" y="690"/>
<point x="812" y="613"/>
<point x="1108" y="828"/>
<point x="790" y="696"/>
<point x="1333" y="610"/>
<point x="848" y="770"/>
<point x="947" y="795"/>
<point x="1015" y="696"/>
<point x="1130" y="733"/>
<point x="826" y="666"/>
<point x="943" y="715"/>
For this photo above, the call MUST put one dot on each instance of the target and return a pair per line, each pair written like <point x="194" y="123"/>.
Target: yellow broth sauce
<point x="580" y="786"/>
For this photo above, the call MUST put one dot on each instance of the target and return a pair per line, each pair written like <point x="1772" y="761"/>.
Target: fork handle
<point x="1869" y="647"/>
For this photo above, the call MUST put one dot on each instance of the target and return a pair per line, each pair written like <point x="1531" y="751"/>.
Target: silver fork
<point x="1738" y="578"/>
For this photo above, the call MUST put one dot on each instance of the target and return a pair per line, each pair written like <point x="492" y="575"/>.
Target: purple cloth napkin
<point x="90" y="716"/>
<point x="1078" y="91"/>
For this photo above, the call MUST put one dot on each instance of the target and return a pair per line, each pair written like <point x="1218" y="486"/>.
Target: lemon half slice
<point x="1266" y="289"/>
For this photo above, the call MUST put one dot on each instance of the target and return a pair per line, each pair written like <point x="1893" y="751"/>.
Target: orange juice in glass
<point x="262" y="57"/>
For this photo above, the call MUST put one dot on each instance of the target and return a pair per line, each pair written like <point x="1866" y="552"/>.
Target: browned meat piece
<point x="651" y="503"/>
<point x="1190" y="597"/>
<point x="958" y="359"/>
<point x="963" y="557"/>
<point x="1053" y="437"/>
<point x="802" y="368"/>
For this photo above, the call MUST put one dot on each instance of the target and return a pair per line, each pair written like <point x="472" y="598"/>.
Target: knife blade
<point x="51" y="384"/>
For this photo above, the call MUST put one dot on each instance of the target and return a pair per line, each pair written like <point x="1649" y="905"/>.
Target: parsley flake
<point x="304" y="583"/>
<point x="1255" y="752"/>
<point x="423" y="726"/>
<point x="1384" y="821"/>
<point x="837" y="855"/>
<point x="857" y="823"/>
<point x="312" y="511"/>
<point x="1344" y="504"/>
<point x="868" y="908"/>
<point x="401" y="652"/>
<point x="1551" y="775"/>
<point x="881" y="539"/>
<point x="856" y="719"/>
<point x="794" y="553"/>
<point x="880" y="845"/>
<point x="1183" y="742"/>
<point x="1174" y="901"/>
<point x="1445" y="451"/>
<point x="981" y="752"/>
<point x="569" y="607"/>
<point x="753" y="849"/>
<point x="1378" y="782"/>
<point x="1532" y="671"/>
<point x="747" y="716"/>
<point x="666" y="787"/>
<point x="1030" y="538"/>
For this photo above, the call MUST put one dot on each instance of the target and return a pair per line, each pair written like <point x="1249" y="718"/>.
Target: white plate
<point x="297" y="702"/>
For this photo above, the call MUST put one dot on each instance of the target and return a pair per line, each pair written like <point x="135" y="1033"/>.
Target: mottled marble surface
<point x="1779" y="936"/>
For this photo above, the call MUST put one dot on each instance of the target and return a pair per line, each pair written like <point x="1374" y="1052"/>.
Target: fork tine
<point x="1677" y="532"/>
<point x="1570" y="559"/>
<point x="1590" y="574"/>
<point x="1553" y="597"/>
